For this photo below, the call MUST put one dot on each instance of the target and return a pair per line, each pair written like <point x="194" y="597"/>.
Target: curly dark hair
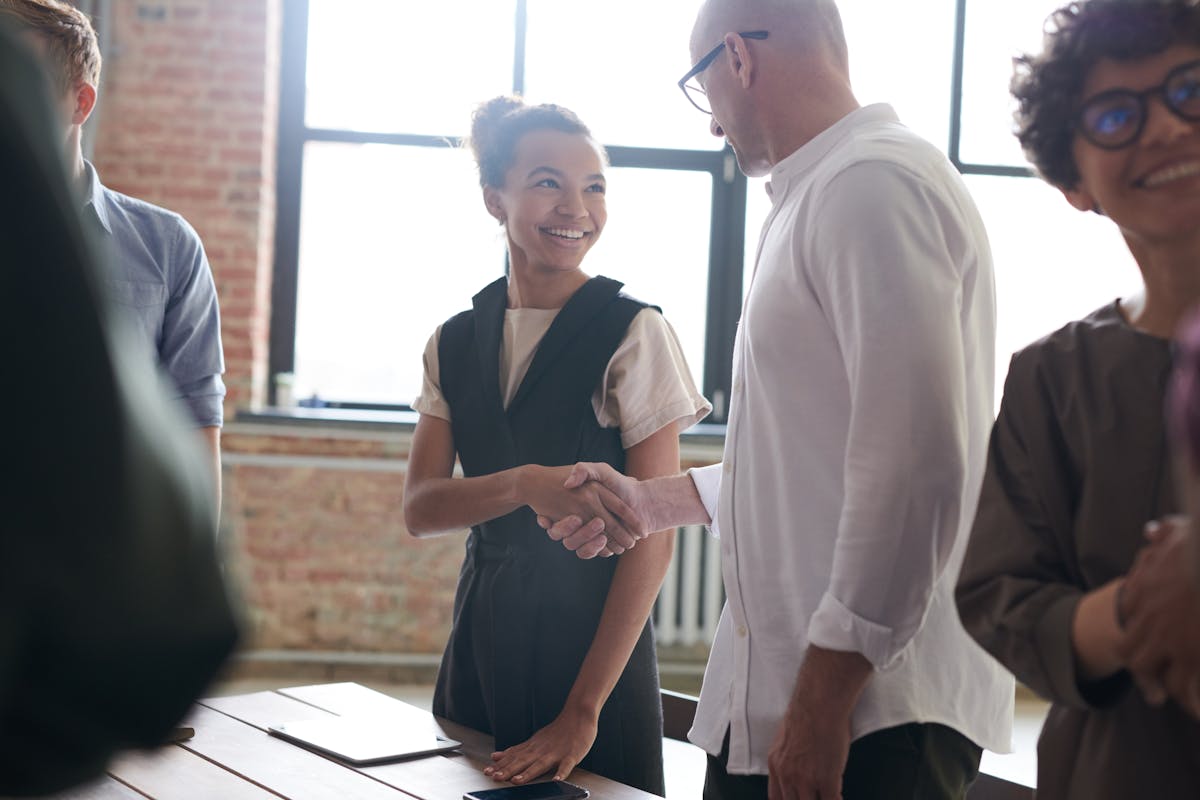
<point x="498" y="125"/>
<point x="1048" y="86"/>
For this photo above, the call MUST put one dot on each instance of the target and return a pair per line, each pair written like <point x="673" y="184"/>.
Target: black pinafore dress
<point x="526" y="609"/>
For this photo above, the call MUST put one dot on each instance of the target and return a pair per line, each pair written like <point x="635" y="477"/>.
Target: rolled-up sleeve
<point x="189" y="347"/>
<point x="892" y="293"/>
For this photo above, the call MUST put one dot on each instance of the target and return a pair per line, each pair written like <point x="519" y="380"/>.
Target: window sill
<point x="705" y="441"/>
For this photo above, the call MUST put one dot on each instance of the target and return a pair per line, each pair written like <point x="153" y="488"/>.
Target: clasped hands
<point x="594" y="511"/>
<point x="1159" y="607"/>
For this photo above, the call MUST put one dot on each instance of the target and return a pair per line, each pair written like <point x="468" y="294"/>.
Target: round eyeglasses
<point x="1115" y="118"/>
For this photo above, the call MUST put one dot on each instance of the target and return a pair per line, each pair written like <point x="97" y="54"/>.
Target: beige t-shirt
<point x="646" y="386"/>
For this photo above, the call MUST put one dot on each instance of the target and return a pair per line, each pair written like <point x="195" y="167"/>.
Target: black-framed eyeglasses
<point x="692" y="91"/>
<point x="1115" y="119"/>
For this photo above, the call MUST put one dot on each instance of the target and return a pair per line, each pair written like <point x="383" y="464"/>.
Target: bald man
<point x="862" y="400"/>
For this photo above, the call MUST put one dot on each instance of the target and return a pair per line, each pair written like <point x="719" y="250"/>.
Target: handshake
<point x="596" y="511"/>
<point x="1158" y="609"/>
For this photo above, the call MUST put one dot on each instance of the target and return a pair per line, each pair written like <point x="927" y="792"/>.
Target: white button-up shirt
<point x="863" y="374"/>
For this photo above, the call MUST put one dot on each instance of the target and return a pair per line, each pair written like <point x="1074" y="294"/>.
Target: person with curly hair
<point x="1109" y="113"/>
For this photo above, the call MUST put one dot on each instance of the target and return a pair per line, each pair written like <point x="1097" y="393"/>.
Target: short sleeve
<point x="430" y="401"/>
<point x="648" y="384"/>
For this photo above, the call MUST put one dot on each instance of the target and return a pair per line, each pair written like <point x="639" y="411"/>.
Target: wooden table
<point x="232" y="757"/>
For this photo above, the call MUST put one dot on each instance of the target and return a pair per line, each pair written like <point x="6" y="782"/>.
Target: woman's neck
<point x="550" y="288"/>
<point x="1171" y="274"/>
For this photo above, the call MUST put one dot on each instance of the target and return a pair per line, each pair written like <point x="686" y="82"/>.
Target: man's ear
<point x="491" y="201"/>
<point x="740" y="60"/>
<point x="85" y="102"/>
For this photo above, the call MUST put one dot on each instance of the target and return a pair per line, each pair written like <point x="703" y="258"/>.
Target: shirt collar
<point x="95" y="196"/>
<point x="809" y="154"/>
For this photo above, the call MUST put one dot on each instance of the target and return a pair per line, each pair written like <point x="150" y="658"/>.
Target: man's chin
<point x="751" y="166"/>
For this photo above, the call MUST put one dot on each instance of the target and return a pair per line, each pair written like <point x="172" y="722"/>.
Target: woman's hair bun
<point x="498" y="124"/>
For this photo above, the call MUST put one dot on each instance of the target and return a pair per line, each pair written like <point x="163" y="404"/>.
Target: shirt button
<point x="742" y="631"/>
<point x="727" y="467"/>
<point x="737" y="386"/>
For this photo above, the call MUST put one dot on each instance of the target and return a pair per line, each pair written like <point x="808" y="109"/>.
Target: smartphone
<point x="551" y="790"/>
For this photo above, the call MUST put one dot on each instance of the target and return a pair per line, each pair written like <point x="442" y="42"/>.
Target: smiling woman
<point x="1078" y="462"/>
<point x="552" y="654"/>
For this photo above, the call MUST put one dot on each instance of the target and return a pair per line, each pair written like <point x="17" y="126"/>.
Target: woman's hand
<point x="559" y="747"/>
<point x="543" y="490"/>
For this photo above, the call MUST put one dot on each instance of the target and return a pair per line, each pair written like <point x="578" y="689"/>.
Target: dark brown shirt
<point x="1076" y="466"/>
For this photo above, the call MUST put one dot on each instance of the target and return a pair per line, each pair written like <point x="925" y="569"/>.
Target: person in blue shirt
<point x="158" y="275"/>
<point x="113" y="613"/>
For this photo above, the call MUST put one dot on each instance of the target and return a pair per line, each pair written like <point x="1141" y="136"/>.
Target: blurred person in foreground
<point x="158" y="278"/>
<point x="113" y="616"/>
<point x="1109" y="113"/>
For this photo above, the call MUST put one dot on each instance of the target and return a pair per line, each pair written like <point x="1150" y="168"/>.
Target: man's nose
<point x="715" y="127"/>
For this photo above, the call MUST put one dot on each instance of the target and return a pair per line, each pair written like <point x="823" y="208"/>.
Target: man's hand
<point x="559" y="494"/>
<point x="809" y="755"/>
<point x="1160" y="606"/>
<point x="595" y="538"/>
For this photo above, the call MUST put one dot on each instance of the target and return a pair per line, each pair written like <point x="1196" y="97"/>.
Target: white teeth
<point x="565" y="233"/>
<point x="1173" y="173"/>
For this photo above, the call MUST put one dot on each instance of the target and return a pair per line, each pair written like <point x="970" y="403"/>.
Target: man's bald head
<point x="805" y="27"/>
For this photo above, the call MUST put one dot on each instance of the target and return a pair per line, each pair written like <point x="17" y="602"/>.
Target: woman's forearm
<point x="634" y="587"/>
<point x="631" y="597"/>
<point x="435" y="506"/>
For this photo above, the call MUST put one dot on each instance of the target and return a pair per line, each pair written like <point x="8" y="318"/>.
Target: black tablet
<point x="363" y="740"/>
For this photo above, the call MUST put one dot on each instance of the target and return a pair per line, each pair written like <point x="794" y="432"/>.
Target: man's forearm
<point x="831" y="680"/>
<point x="673" y="501"/>
<point x="210" y="438"/>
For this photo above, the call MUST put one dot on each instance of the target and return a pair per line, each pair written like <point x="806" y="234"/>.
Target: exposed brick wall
<point x="315" y="536"/>
<point x="187" y="120"/>
<point x="326" y="563"/>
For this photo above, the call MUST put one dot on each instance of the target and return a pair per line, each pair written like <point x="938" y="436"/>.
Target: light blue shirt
<point x="162" y="284"/>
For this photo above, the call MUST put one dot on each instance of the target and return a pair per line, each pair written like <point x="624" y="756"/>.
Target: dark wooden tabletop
<point x="231" y="756"/>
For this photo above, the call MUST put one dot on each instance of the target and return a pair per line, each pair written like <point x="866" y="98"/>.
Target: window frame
<point x="957" y="73"/>
<point x="726" y="237"/>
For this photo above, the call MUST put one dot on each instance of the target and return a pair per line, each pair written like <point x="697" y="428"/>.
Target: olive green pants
<point x="908" y="762"/>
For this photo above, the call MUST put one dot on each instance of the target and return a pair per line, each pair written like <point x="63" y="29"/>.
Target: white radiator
<point x="689" y="603"/>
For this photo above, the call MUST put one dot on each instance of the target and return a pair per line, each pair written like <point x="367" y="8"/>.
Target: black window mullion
<point x="289" y="180"/>
<point x="660" y="158"/>
<point x="727" y="247"/>
<point x="957" y="77"/>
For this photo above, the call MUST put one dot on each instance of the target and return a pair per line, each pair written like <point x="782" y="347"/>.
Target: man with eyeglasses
<point x="862" y="398"/>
